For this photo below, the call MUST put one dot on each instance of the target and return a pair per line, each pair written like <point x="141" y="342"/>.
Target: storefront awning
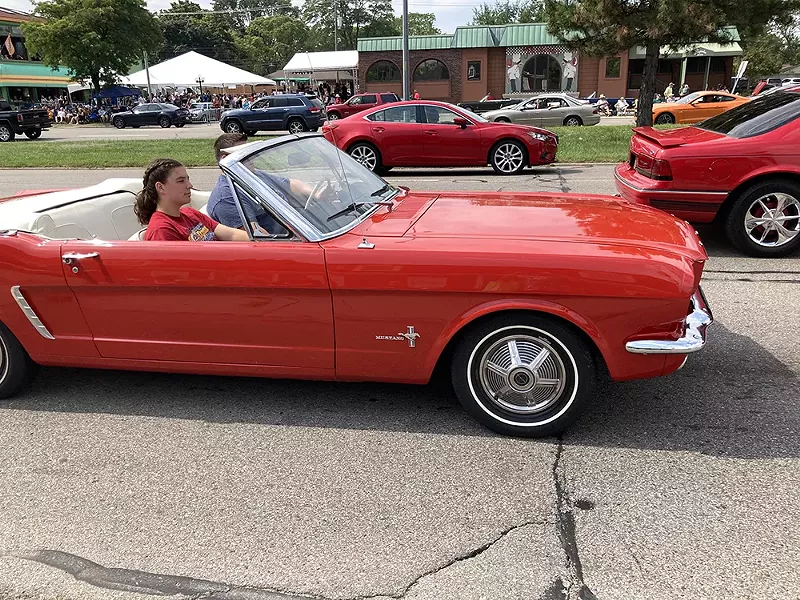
<point x="705" y="49"/>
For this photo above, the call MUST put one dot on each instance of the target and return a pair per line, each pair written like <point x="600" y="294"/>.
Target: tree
<point x="357" y="18"/>
<point x="269" y="42"/>
<point x="506" y="12"/>
<point x="207" y="33"/>
<point x="773" y="46"/>
<point x="607" y="27"/>
<point x="248" y="11"/>
<point x="418" y="24"/>
<point x="95" y="39"/>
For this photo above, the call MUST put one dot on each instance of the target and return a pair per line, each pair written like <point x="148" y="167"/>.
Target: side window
<point x="388" y="98"/>
<point x="442" y="116"/>
<point x="725" y="98"/>
<point x="378" y="116"/>
<point x="260" y="223"/>
<point x="370" y="99"/>
<point x="295" y="102"/>
<point x="261" y="104"/>
<point x="354" y="100"/>
<point x="277" y="102"/>
<point x="400" y="114"/>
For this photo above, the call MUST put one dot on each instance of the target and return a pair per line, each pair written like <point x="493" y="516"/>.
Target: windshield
<point x="760" y="115"/>
<point x="322" y="184"/>
<point x="688" y="98"/>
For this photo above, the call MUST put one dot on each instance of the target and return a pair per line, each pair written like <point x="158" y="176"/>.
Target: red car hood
<point x="591" y="219"/>
<point x="670" y="138"/>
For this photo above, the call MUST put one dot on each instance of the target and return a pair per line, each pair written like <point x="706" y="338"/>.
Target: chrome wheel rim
<point x="295" y="127"/>
<point x="366" y="156"/>
<point x="773" y="220"/>
<point x="233" y="128"/>
<point x="5" y="134"/>
<point x="508" y="158"/>
<point x="522" y="374"/>
<point x="572" y="122"/>
<point x="3" y="360"/>
<point x="333" y="117"/>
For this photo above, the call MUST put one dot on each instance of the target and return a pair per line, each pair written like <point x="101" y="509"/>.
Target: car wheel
<point x="250" y="133"/>
<point x="508" y="157"/>
<point x="368" y="155"/>
<point x="333" y="116"/>
<point x="119" y="123"/>
<point x="573" y="121"/>
<point x="136" y="126"/>
<point x="296" y="126"/>
<point x="502" y="120"/>
<point x="16" y="367"/>
<point x="765" y="219"/>
<point x="34" y="135"/>
<point x="665" y="119"/>
<point x="179" y="124"/>
<point x="6" y="134"/>
<point x="523" y="375"/>
<point x="233" y="127"/>
<point x="164" y="122"/>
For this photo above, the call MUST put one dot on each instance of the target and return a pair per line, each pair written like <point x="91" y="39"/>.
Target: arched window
<point x="431" y="70"/>
<point x="542" y="74"/>
<point x="383" y="71"/>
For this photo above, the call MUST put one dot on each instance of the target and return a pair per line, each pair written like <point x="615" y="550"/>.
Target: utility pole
<point x="406" y="74"/>
<point x="147" y="72"/>
<point x="336" y="26"/>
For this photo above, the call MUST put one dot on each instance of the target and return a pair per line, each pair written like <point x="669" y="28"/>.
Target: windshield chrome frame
<point x="233" y="167"/>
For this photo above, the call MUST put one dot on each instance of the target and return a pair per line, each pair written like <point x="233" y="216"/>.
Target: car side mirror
<point x="461" y="122"/>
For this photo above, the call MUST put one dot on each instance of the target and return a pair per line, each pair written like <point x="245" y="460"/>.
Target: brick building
<point x="525" y="59"/>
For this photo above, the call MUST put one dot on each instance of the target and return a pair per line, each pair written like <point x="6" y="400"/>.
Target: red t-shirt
<point x="191" y="226"/>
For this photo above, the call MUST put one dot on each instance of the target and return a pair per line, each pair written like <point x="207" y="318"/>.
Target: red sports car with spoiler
<point x="522" y="298"/>
<point x="740" y="169"/>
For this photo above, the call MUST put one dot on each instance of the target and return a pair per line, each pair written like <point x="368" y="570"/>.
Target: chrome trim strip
<point x="667" y="192"/>
<point x="694" y="336"/>
<point x="29" y="312"/>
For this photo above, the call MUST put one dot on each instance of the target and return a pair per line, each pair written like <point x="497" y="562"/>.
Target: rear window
<point x="315" y="103"/>
<point x="389" y="98"/>
<point x="295" y="102"/>
<point x="369" y="99"/>
<point x="166" y="106"/>
<point x="760" y="115"/>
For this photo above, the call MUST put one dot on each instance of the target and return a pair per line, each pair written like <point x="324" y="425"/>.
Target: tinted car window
<point x="261" y="104"/>
<point x="294" y="102"/>
<point x="316" y="103"/>
<point x="389" y="98"/>
<point x="442" y="116"/>
<point x="165" y="107"/>
<point x="400" y="114"/>
<point x="760" y="115"/>
<point x="369" y="99"/>
<point x="378" y="116"/>
<point x="277" y="102"/>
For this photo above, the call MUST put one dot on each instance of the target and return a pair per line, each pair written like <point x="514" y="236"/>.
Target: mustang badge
<point x="410" y="335"/>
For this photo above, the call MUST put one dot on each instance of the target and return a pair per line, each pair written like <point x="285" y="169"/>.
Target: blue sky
<point x="449" y="13"/>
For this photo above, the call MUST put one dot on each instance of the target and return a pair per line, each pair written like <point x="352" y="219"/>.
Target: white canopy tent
<point x="324" y="65"/>
<point x="188" y="69"/>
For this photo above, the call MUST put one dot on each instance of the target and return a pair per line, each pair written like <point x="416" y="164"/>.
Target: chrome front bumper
<point x="693" y="338"/>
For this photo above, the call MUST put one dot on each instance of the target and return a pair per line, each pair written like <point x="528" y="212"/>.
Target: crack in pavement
<point x="472" y="554"/>
<point x="562" y="182"/>
<point x="155" y="584"/>
<point x="566" y="529"/>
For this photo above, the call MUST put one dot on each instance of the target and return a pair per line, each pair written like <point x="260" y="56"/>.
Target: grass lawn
<point x="577" y="144"/>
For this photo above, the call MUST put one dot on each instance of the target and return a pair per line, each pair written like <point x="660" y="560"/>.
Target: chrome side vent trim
<point x="29" y="312"/>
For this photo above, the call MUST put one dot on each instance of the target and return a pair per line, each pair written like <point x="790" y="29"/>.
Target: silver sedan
<point x="550" y="110"/>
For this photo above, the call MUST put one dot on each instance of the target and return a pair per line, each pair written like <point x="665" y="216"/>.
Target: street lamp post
<point x="200" y="80"/>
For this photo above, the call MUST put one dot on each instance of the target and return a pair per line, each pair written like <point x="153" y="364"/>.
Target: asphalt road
<point x="115" y="485"/>
<point x="191" y="130"/>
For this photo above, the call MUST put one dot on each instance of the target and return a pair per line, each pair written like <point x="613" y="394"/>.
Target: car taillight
<point x="595" y="111"/>
<point x="313" y="110"/>
<point x="653" y="168"/>
<point x="661" y="170"/>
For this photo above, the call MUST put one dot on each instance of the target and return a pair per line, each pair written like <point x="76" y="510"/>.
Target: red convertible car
<point x="523" y="298"/>
<point x="740" y="169"/>
<point x="437" y="134"/>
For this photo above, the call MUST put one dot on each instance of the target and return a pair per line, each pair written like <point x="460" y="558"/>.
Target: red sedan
<point x="437" y="134"/>
<point x="740" y="168"/>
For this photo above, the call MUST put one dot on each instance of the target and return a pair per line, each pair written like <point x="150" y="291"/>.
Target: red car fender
<point x="498" y="306"/>
<point x="767" y="172"/>
<point x="511" y="135"/>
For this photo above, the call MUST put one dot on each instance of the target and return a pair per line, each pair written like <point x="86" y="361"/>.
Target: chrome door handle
<point x="68" y="258"/>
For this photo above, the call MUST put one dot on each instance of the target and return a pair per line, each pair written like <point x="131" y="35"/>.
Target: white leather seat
<point x="138" y="236"/>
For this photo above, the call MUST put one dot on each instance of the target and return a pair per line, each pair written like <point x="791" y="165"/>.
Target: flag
<point x="9" y="45"/>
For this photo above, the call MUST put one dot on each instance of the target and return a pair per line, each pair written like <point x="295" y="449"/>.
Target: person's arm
<point x="229" y="234"/>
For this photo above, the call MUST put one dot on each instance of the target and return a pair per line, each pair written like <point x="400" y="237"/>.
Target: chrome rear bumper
<point x="693" y="338"/>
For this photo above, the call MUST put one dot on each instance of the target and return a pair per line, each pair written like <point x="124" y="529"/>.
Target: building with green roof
<point x="525" y="59"/>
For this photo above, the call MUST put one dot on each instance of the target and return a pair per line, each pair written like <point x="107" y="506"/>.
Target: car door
<point x="352" y="106"/>
<point x="398" y="134"/>
<point x="274" y="116"/>
<point x="252" y="303"/>
<point x="702" y="108"/>
<point x="528" y="113"/>
<point x="257" y="117"/>
<point x="448" y="144"/>
<point x="553" y="111"/>
<point x="138" y="115"/>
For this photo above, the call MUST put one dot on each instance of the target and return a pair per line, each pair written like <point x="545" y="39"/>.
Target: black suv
<point x="292" y="112"/>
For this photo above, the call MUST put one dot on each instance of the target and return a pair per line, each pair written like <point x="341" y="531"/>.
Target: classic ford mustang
<point x="524" y="298"/>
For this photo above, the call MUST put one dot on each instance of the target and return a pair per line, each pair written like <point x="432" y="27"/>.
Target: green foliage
<point x="357" y="18"/>
<point x="269" y="42"/>
<point x="96" y="39"/>
<point x="252" y="10"/>
<point x="418" y="24"/>
<point x="505" y="12"/>
<point x="208" y="34"/>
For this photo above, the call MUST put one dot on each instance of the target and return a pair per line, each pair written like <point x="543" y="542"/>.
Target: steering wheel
<point x="321" y="185"/>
